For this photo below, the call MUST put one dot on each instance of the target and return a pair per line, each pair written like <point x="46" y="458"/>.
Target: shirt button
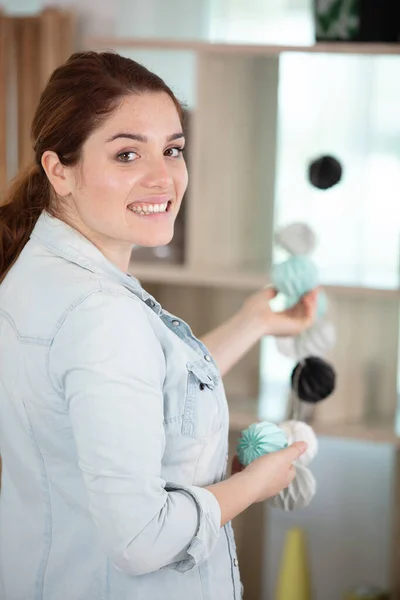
<point x="202" y="386"/>
<point x="207" y="357"/>
<point x="235" y="562"/>
<point x="176" y="322"/>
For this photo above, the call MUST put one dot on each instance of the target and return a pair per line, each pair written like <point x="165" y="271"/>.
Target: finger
<point x="236" y="465"/>
<point x="310" y="302"/>
<point x="291" y="476"/>
<point x="292" y="473"/>
<point x="304" y="304"/>
<point x="269" y="292"/>
<point x="311" y="298"/>
<point x="312" y="294"/>
<point x="303" y="313"/>
<point x="294" y="451"/>
<point x="310" y="309"/>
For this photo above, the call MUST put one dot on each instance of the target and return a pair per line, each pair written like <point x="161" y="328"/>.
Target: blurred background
<point x="270" y="87"/>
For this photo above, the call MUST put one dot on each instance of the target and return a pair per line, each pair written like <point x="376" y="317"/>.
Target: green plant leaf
<point x="334" y="11"/>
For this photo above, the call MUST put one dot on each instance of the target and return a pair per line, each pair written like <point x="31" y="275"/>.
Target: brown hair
<point x="79" y="96"/>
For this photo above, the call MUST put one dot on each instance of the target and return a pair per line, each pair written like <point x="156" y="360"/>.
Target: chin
<point x="154" y="241"/>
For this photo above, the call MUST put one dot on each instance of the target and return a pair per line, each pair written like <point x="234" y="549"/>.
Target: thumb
<point x="269" y="292"/>
<point x="294" y="451"/>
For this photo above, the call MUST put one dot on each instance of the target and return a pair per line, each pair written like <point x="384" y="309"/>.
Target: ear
<point x="58" y="175"/>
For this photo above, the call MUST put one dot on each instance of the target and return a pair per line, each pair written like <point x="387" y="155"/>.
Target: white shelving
<point x="236" y="280"/>
<point x="244" y="412"/>
<point x="244" y="49"/>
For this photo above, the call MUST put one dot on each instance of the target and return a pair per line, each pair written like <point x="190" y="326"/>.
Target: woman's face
<point x="129" y="184"/>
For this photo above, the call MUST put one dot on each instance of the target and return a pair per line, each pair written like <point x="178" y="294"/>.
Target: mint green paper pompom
<point x="259" y="439"/>
<point x="295" y="276"/>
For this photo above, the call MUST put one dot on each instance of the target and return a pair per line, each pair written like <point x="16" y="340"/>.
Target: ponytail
<point x="27" y="197"/>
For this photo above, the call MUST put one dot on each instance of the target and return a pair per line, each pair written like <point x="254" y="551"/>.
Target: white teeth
<point x="148" y="208"/>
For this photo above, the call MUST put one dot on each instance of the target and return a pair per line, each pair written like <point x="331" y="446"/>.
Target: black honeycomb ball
<point x="325" y="172"/>
<point x="313" y="379"/>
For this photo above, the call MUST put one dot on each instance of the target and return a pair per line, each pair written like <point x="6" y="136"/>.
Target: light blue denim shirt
<point x="113" y="419"/>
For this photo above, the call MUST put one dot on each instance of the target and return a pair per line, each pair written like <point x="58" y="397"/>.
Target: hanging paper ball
<point x="297" y="238"/>
<point x="259" y="439"/>
<point x="295" y="276"/>
<point x="325" y="172"/>
<point x="313" y="379"/>
<point x="286" y="346"/>
<point x="315" y="341"/>
<point x="299" y="493"/>
<point x="298" y="431"/>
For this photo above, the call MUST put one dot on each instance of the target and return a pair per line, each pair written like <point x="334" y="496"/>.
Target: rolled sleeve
<point x="108" y="364"/>
<point x="209" y="526"/>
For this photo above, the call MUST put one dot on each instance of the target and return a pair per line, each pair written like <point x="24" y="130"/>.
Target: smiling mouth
<point x="150" y="209"/>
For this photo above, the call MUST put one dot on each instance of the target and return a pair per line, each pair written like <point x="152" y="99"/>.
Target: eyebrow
<point x="142" y="138"/>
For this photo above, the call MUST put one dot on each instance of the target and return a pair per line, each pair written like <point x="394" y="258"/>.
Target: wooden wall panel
<point x="57" y="35"/>
<point x="4" y="44"/>
<point x="28" y="42"/>
<point x="30" y="49"/>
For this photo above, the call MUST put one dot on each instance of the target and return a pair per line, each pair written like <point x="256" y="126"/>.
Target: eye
<point x="127" y="156"/>
<point x="175" y="152"/>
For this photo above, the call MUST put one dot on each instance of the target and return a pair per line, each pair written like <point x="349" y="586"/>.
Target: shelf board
<point x="240" y="48"/>
<point x="184" y="275"/>
<point x="243" y="414"/>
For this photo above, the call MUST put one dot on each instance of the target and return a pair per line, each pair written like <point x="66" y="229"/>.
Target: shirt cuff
<point x="209" y="526"/>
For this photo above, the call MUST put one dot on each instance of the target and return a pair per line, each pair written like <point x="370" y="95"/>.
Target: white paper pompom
<point x="286" y="346"/>
<point x="297" y="238"/>
<point x="298" y="431"/>
<point x="315" y="341"/>
<point x="299" y="493"/>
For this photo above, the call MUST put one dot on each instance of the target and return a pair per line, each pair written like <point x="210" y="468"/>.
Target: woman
<point x="114" y="420"/>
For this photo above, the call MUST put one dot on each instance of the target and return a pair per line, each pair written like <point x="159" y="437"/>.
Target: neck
<point x="116" y="251"/>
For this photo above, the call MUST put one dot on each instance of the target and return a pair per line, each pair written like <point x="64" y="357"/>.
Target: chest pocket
<point x="202" y="410"/>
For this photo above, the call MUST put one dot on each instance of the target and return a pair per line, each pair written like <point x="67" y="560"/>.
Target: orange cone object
<point x="294" y="581"/>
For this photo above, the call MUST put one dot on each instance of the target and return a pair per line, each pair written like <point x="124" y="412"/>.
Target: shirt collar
<point x="65" y="241"/>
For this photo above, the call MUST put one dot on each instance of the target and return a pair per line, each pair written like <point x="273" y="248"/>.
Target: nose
<point x="157" y="174"/>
